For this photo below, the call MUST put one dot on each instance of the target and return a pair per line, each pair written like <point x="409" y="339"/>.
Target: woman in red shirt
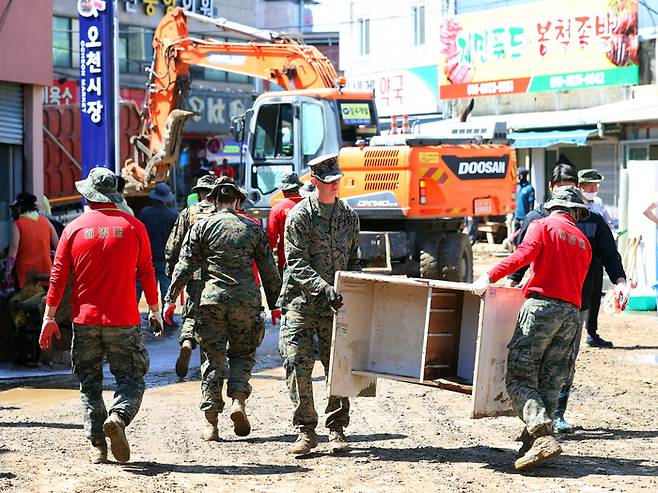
<point x="32" y="237"/>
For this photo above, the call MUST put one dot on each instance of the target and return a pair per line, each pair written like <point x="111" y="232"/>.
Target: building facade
<point x="25" y="36"/>
<point x="392" y="47"/>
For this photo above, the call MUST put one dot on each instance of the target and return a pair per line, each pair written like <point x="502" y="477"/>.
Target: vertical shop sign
<point x="97" y="118"/>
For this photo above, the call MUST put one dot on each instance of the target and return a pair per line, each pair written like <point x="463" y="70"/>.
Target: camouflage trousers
<point x="129" y="362"/>
<point x="540" y="357"/>
<point x="298" y="353"/>
<point x="188" y="331"/>
<point x="241" y="327"/>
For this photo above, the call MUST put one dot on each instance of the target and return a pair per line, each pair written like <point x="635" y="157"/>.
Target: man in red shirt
<point x="540" y="353"/>
<point x="276" y="222"/>
<point x="104" y="248"/>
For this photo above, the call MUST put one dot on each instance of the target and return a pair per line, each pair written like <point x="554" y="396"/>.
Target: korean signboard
<point x="159" y="7"/>
<point x="61" y="92"/>
<point x="550" y="45"/>
<point x="97" y="118"/>
<point x="399" y="92"/>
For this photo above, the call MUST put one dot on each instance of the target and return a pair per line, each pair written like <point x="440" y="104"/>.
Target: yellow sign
<point x="539" y="46"/>
<point x="428" y="157"/>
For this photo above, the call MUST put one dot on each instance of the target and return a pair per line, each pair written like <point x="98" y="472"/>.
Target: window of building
<point x="135" y="49"/>
<point x="364" y="36"/>
<point x="418" y="19"/>
<point x="62" y="52"/>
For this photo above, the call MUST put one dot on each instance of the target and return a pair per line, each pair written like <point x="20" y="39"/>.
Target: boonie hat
<point x="290" y="181"/>
<point x="99" y="186"/>
<point x="325" y="168"/>
<point x="206" y="182"/>
<point x="225" y="181"/>
<point x="569" y="197"/>
<point x="162" y="192"/>
<point x="590" y="176"/>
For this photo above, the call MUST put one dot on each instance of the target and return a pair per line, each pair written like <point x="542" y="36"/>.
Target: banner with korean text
<point x="97" y="119"/>
<point x="550" y="45"/>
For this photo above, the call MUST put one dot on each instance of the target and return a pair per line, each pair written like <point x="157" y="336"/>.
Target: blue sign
<point x="97" y="118"/>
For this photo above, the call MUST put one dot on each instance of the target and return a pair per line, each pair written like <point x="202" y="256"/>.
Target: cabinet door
<point x="498" y="313"/>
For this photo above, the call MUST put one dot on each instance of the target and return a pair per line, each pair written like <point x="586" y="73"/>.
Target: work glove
<point x="622" y="293"/>
<point x="155" y="322"/>
<point x="276" y="315"/>
<point x="335" y="300"/>
<point x="480" y="285"/>
<point x="169" y="312"/>
<point x="49" y="329"/>
<point x="9" y="270"/>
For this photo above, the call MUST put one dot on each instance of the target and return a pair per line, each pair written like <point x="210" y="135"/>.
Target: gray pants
<point x="129" y="362"/>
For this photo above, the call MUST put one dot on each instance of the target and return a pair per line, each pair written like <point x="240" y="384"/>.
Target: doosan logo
<point x="481" y="167"/>
<point x="478" y="167"/>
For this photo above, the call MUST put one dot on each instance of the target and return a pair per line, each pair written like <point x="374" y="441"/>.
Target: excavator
<point x="411" y="192"/>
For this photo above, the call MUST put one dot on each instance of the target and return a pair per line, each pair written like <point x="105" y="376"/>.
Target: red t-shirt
<point x="276" y="225"/>
<point x="34" y="247"/>
<point x="253" y="262"/>
<point x="222" y="170"/>
<point x="559" y="257"/>
<point x="105" y="248"/>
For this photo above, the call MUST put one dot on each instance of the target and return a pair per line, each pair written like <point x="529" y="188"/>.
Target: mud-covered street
<point x="408" y="438"/>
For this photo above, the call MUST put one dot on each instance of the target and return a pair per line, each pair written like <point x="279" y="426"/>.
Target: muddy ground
<point x="408" y="438"/>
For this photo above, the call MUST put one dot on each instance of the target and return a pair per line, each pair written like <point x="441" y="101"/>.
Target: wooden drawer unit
<point x="421" y="331"/>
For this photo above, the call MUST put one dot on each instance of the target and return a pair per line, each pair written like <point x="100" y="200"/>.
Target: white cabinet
<point x="426" y="332"/>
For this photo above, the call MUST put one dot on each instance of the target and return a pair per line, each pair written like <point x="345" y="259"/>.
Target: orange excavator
<point x="411" y="192"/>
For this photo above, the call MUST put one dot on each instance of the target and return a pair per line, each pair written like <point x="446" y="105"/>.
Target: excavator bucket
<point x="157" y="167"/>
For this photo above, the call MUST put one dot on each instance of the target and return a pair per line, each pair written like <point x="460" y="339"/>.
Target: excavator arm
<point x="269" y="56"/>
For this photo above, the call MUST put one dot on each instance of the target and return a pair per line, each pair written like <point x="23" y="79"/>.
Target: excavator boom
<point x="271" y="56"/>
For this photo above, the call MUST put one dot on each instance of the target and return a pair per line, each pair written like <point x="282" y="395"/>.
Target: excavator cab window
<point x="312" y="131"/>
<point x="273" y="145"/>
<point x="358" y="120"/>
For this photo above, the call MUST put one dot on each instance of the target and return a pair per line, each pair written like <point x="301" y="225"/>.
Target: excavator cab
<point x="287" y="130"/>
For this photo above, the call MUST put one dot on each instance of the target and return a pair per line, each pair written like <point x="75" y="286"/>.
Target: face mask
<point x="590" y="195"/>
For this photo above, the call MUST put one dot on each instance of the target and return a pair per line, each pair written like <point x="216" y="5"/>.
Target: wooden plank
<point x="351" y="339"/>
<point x="498" y="316"/>
<point x="454" y="386"/>
<point x="398" y="326"/>
<point x="468" y="337"/>
<point x="388" y="376"/>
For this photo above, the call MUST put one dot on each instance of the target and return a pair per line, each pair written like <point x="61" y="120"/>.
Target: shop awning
<point x="548" y="138"/>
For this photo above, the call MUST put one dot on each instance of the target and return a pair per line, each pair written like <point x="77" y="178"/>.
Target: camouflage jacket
<point x="186" y="219"/>
<point x="223" y="246"/>
<point x="316" y="247"/>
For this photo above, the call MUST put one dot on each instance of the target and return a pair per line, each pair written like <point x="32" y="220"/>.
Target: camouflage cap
<point x="225" y="181"/>
<point x="590" y="176"/>
<point x="290" y="181"/>
<point x="99" y="186"/>
<point x="325" y="168"/>
<point x="205" y="182"/>
<point x="569" y="197"/>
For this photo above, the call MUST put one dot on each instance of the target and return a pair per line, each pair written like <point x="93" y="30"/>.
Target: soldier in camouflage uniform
<point x="188" y="338"/>
<point x="321" y="237"/>
<point x="541" y="351"/>
<point x="223" y="247"/>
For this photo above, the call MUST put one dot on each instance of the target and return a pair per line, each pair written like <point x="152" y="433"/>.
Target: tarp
<point x="548" y="138"/>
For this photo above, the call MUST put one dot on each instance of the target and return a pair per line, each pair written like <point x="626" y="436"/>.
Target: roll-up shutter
<point x="11" y="113"/>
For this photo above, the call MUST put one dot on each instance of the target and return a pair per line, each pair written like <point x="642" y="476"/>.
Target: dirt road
<point x="408" y="438"/>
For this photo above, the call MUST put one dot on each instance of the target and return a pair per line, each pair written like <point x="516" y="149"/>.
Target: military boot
<point x="545" y="446"/>
<point x="183" y="361"/>
<point x="241" y="424"/>
<point x="99" y="451"/>
<point x="114" y="429"/>
<point x="337" y="442"/>
<point x="211" y="433"/>
<point x="306" y="441"/>
<point x="526" y="443"/>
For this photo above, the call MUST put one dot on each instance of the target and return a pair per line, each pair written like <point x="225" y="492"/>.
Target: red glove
<point x="169" y="312"/>
<point x="276" y="315"/>
<point x="48" y="329"/>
